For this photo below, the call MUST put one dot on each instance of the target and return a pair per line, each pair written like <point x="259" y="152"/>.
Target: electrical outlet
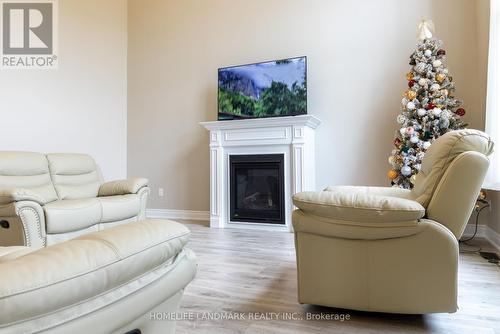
<point x="161" y="192"/>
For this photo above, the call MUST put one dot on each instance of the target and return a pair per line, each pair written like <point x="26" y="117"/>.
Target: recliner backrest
<point x="74" y="175"/>
<point x="455" y="196"/>
<point x="27" y="170"/>
<point x="451" y="177"/>
<point x="440" y="155"/>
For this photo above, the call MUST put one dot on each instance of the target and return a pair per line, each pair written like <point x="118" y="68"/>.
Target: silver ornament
<point x="436" y="112"/>
<point x="406" y="170"/>
<point x="421" y="112"/>
<point x="420" y="67"/>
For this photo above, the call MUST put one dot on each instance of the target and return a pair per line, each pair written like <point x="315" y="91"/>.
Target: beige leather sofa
<point x="113" y="281"/>
<point x="389" y="249"/>
<point x="49" y="198"/>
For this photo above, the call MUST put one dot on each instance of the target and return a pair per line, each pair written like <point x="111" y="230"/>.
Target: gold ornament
<point x="482" y="194"/>
<point x="409" y="76"/>
<point x="392" y="174"/>
<point x="410" y="94"/>
<point x="413" y="178"/>
<point x="440" y="77"/>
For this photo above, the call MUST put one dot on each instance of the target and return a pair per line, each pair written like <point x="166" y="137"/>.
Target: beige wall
<point x="81" y="106"/>
<point x="357" y="59"/>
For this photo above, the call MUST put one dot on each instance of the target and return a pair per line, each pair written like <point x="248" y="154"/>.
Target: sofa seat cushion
<point x="64" y="274"/>
<point x="115" y="208"/>
<point x="72" y="215"/>
<point x="359" y="208"/>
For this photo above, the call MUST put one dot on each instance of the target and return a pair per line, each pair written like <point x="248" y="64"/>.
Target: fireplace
<point x="256" y="165"/>
<point x="257" y="188"/>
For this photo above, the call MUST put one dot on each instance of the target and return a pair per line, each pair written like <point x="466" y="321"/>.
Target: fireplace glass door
<point x="257" y="188"/>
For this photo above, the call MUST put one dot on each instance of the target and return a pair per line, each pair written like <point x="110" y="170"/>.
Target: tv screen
<point x="268" y="89"/>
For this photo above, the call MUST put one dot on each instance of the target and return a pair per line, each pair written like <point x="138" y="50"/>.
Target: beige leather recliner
<point x="49" y="198"/>
<point x="113" y="281"/>
<point x="389" y="249"/>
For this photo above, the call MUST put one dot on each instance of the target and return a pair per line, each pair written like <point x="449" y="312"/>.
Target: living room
<point x="359" y="233"/>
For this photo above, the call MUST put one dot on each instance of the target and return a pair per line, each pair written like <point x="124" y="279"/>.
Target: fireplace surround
<point x="289" y="138"/>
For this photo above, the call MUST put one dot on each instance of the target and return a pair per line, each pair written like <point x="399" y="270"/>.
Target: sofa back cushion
<point x="75" y="176"/>
<point x="27" y="170"/>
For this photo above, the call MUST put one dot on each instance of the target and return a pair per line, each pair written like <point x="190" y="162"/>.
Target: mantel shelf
<point x="301" y="120"/>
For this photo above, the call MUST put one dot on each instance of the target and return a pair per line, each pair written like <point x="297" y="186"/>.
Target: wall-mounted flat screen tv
<point x="268" y="89"/>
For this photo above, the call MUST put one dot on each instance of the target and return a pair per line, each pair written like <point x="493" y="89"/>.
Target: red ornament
<point x="430" y="106"/>
<point x="460" y="112"/>
<point x="411" y="83"/>
<point x="441" y="52"/>
<point x="397" y="141"/>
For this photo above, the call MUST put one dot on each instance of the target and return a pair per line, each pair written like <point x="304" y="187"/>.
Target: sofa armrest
<point x="123" y="187"/>
<point x="26" y="224"/>
<point x="359" y="208"/>
<point x="12" y="195"/>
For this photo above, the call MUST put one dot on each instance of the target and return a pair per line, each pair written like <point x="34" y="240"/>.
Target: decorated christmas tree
<point x="428" y="111"/>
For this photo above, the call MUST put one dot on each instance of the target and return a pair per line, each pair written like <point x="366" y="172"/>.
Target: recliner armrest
<point x="122" y="187"/>
<point x="358" y="207"/>
<point x="12" y="195"/>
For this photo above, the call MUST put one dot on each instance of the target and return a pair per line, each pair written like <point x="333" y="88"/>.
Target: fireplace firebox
<point x="257" y="188"/>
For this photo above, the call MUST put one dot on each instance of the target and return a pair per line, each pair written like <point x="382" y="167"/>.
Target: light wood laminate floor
<point x="253" y="271"/>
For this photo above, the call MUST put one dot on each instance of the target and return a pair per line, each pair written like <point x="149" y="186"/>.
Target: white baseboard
<point x="177" y="214"/>
<point x="493" y="237"/>
<point x="486" y="232"/>
<point x="469" y="231"/>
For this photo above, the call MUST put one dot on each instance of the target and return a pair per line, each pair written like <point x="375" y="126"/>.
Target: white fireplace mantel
<point x="291" y="136"/>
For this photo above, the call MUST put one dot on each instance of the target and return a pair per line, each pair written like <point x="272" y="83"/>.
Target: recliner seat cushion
<point x="75" y="176"/>
<point x="115" y="208"/>
<point x="72" y="215"/>
<point x="27" y="170"/>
